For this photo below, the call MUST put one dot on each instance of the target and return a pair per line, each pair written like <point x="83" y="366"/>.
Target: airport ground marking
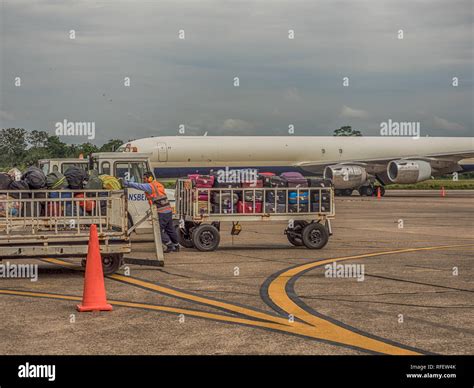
<point x="278" y="292"/>
<point x="311" y="326"/>
<point x="301" y="331"/>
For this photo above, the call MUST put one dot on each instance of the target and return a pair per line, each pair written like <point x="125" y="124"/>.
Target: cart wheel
<point x="315" y="236"/>
<point x="295" y="240"/>
<point x="111" y="263"/>
<point x="294" y="235"/>
<point x="185" y="237"/>
<point x="369" y="191"/>
<point x="206" y="238"/>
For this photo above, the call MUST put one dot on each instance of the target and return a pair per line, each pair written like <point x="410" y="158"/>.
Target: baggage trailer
<point x="46" y="223"/>
<point x="307" y="210"/>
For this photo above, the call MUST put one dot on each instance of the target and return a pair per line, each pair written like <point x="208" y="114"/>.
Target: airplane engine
<point x="408" y="171"/>
<point x="346" y="176"/>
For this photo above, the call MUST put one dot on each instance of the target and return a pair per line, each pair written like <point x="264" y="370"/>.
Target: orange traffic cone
<point x="443" y="192"/>
<point x="94" y="298"/>
<point x="379" y="195"/>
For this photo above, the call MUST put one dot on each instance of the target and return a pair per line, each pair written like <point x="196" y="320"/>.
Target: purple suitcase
<point x="294" y="179"/>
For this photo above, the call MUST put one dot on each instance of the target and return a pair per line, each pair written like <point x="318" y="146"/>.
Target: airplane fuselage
<point x="179" y="155"/>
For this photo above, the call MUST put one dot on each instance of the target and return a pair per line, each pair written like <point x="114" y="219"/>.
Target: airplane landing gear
<point x="371" y="191"/>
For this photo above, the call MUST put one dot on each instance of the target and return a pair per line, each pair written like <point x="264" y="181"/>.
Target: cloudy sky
<point x="282" y="81"/>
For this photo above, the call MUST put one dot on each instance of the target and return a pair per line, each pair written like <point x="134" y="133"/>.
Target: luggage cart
<point x="200" y="211"/>
<point x="34" y="224"/>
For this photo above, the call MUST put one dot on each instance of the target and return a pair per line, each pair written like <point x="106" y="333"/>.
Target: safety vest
<point x="158" y="197"/>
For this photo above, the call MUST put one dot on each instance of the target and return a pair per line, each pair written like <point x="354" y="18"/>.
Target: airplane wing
<point x="441" y="163"/>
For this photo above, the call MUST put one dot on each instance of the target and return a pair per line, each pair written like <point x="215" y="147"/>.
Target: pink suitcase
<point x="205" y="181"/>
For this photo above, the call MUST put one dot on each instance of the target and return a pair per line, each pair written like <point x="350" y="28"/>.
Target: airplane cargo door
<point x="162" y="152"/>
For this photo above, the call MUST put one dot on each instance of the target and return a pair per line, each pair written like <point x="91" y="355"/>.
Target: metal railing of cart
<point x="318" y="205"/>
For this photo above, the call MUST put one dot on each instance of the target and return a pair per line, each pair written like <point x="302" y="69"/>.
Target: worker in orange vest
<point x="155" y="193"/>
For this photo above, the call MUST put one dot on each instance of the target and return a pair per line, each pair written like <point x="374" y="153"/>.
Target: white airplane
<point x="352" y="162"/>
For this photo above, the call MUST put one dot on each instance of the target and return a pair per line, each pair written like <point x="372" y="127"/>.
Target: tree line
<point x="21" y="148"/>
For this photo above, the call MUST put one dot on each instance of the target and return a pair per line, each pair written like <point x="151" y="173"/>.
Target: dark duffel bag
<point x="274" y="181"/>
<point x="56" y="181"/>
<point x="294" y="179"/>
<point x="39" y="205"/>
<point x="224" y="197"/>
<point x="75" y="177"/>
<point x="270" y="208"/>
<point x="93" y="183"/>
<point x="303" y="208"/>
<point x="248" y="195"/>
<point x="5" y="181"/>
<point x="315" y="197"/>
<point x="21" y="191"/>
<point x="224" y="209"/>
<point x="281" y="197"/>
<point x="35" y="178"/>
<point x="319" y="182"/>
<point x="325" y="207"/>
<point x="20" y="186"/>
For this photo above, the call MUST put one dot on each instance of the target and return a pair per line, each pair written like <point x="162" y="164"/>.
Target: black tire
<point x="111" y="263"/>
<point x="206" y="238"/>
<point x="362" y="191"/>
<point x="338" y="192"/>
<point x="315" y="236"/>
<point x="298" y="227"/>
<point x="185" y="237"/>
<point x="369" y="191"/>
<point x="348" y="192"/>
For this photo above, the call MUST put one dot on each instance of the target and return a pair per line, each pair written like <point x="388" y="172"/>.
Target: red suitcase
<point x="247" y="207"/>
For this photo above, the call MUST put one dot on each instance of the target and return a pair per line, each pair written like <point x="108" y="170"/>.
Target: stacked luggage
<point x="247" y="198"/>
<point x="34" y="184"/>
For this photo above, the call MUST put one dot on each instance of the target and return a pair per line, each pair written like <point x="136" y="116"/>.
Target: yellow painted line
<point x="63" y="263"/>
<point x="195" y="313"/>
<point x="325" y="329"/>
<point x="175" y="310"/>
<point x="200" y="299"/>
<point x="185" y="295"/>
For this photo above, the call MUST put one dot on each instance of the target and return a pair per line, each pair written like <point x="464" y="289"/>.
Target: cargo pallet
<point x="198" y="222"/>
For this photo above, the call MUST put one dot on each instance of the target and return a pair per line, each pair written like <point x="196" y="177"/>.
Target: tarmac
<point x="257" y="294"/>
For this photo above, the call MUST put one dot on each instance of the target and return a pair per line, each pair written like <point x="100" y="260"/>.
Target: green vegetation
<point x="21" y="148"/>
<point x="347" y="131"/>
<point x="436" y="184"/>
